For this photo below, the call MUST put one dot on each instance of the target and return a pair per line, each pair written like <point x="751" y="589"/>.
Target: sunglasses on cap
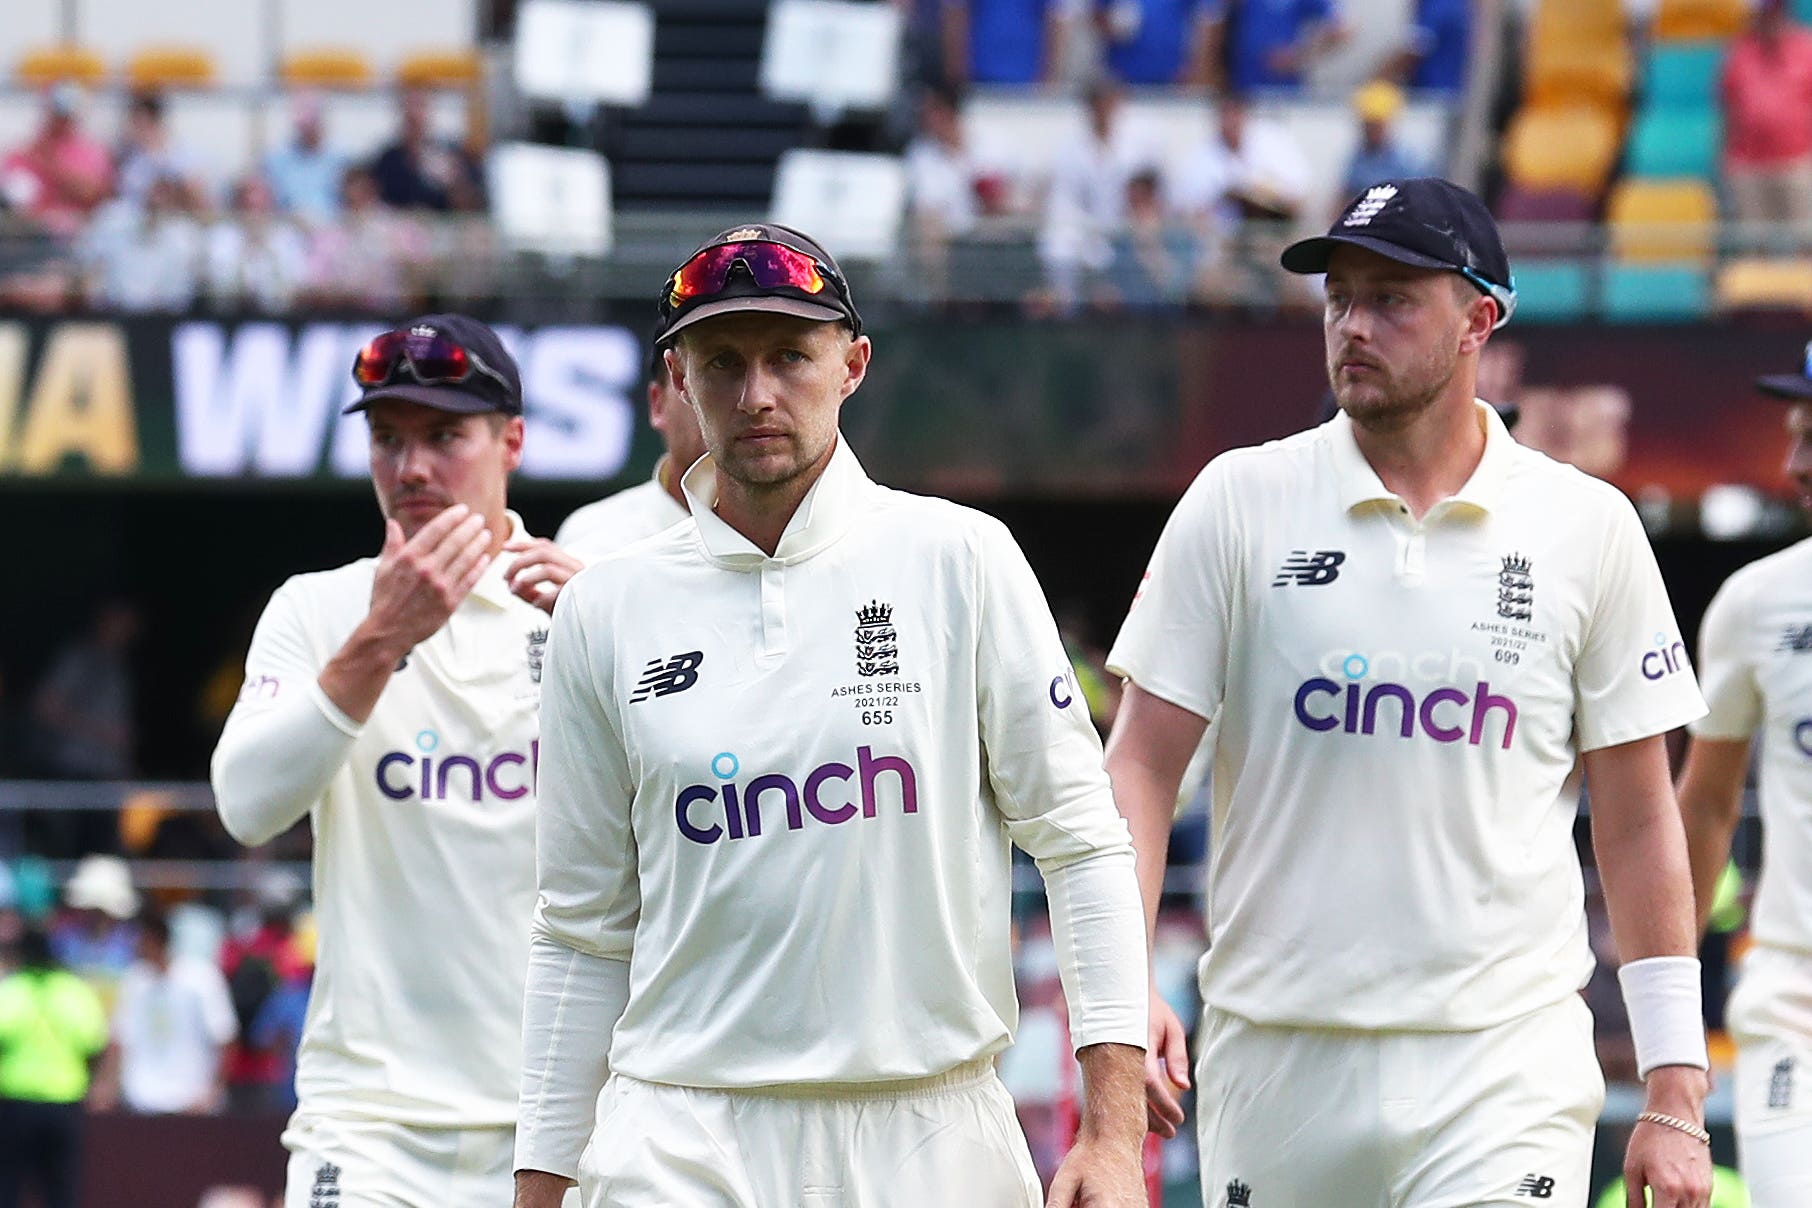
<point x="432" y="360"/>
<point x="772" y="265"/>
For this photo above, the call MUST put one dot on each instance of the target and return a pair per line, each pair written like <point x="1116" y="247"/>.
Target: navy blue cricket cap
<point x="741" y="291"/>
<point x="1422" y="221"/>
<point x="1794" y="387"/>
<point x="500" y="389"/>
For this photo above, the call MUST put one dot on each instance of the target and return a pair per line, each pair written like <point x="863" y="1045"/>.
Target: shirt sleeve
<point x="1044" y="765"/>
<point x="589" y="903"/>
<point x="1174" y="642"/>
<point x="1632" y="678"/>
<point x="284" y="741"/>
<point x="1727" y="676"/>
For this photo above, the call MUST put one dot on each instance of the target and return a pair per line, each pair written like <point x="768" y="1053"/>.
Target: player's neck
<point x="1430" y="458"/>
<point x="761" y="511"/>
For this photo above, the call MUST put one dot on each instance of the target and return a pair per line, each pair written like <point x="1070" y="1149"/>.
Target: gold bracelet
<point x="1674" y="1122"/>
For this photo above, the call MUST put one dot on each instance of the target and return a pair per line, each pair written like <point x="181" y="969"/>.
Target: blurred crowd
<point x="133" y="223"/>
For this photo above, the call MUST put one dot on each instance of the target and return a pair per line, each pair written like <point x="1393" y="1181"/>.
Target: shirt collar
<point x="1359" y="484"/>
<point x="823" y="515"/>
<point x="491" y="586"/>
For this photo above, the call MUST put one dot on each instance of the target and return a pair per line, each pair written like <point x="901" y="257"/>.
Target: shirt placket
<point x="1412" y="542"/>
<point x="773" y="609"/>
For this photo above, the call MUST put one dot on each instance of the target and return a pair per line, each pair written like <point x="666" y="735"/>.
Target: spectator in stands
<point x="146" y="257"/>
<point x="365" y="260"/>
<point x="1151" y="257"/>
<point x="305" y="175"/>
<point x="257" y="966"/>
<point x="948" y="184"/>
<point x="82" y="724"/>
<point x="59" y="177"/>
<point x="52" y="1032"/>
<point x="1379" y="156"/>
<point x="94" y="935"/>
<point x="1273" y="43"/>
<point x="1242" y="192"/>
<point x="1157" y="41"/>
<point x="147" y="156"/>
<point x="1005" y="41"/>
<point x="1086" y="203"/>
<point x="1434" y="57"/>
<point x="256" y="259"/>
<point x="172" y="1024"/>
<point x="420" y="171"/>
<point x="1767" y="98"/>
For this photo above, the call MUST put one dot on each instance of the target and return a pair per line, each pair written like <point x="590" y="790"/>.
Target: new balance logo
<point x="1310" y="570"/>
<point x="1780" y="1085"/>
<point x="1239" y="1195"/>
<point x="1796" y="639"/>
<point x="663" y="677"/>
<point x="1536" y="1187"/>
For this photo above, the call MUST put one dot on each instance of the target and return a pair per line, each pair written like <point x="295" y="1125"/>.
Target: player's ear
<point x="1481" y="318"/>
<point x="512" y="434"/>
<point x="855" y="365"/>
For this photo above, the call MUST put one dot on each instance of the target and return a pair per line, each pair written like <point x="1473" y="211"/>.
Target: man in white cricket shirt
<point x="609" y="524"/>
<point x="786" y="750"/>
<point x="393" y="702"/>
<point x="1755" y="661"/>
<point x="1403" y="627"/>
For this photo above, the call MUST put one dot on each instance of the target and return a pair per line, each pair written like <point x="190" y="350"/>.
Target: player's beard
<point x="1390" y="402"/>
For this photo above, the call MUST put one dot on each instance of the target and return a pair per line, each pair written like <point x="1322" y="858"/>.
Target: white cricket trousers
<point x="1770" y="1017"/>
<point x="948" y="1140"/>
<point x="1316" y="1118"/>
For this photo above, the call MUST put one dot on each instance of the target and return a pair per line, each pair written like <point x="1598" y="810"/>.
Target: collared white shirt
<point x="783" y="789"/>
<point x="424" y="817"/>
<point x="1755" y="659"/>
<point x="607" y="525"/>
<point x="1394" y="706"/>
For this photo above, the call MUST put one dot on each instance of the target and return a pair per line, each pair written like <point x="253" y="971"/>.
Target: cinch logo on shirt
<point x="1665" y="659"/>
<point x="741" y="809"/>
<point x="507" y="776"/>
<point x="1445" y="714"/>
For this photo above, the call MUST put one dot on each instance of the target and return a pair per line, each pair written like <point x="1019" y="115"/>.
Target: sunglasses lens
<point x="377" y="360"/>
<point x="436" y="360"/>
<point x="771" y="264"/>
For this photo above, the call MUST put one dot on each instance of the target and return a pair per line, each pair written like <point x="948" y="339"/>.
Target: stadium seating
<point x="1765" y="284"/>
<point x="170" y="67"/>
<point x="1683" y="19"/>
<point x="1552" y="291"/>
<point x="47" y="64"/>
<point x="232" y="36"/>
<point x="1682" y="73"/>
<point x="1672" y="141"/>
<point x="1560" y="73"/>
<point x="326" y="68"/>
<point x="1570" y="147"/>
<point x="1662" y="221"/>
<point x="1654" y="293"/>
<point x="440" y="69"/>
<point x="388" y="34"/>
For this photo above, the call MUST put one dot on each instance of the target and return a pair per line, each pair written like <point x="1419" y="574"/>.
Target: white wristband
<point x="1666" y="1019"/>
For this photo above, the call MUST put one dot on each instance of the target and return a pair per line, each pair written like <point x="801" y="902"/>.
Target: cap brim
<point x="1308" y="256"/>
<point x="768" y="303"/>
<point x="1793" y="386"/>
<point x="441" y="398"/>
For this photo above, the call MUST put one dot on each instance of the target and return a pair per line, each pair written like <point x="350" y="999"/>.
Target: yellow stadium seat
<point x="49" y="64"/>
<point x="1677" y="20"/>
<point x="1662" y="220"/>
<point x="1559" y="73"/>
<point x="1595" y="21"/>
<point x="439" y="69"/>
<point x="326" y="67"/>
<point x="170" y="67"/>
<point x="1762" y="284"/>
<point x="1571" y="147"/>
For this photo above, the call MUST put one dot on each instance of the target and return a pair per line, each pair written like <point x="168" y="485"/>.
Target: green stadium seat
<point x="1675" y="141"/>
<point x="1802" y="10"/>
<point x="1683" y="74"/>
<point x="1655" y="293"/>
<point x="1552" y="291"/>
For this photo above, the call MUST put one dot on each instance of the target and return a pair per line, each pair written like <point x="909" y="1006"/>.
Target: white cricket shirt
<point x="170" y="1026"/>
<point x="1755" y="657"/>
<point x="1394" y="707"/>
<point x="424" y="817"/>
<point x="784" y="790"/>
<point x="607" y="525"/>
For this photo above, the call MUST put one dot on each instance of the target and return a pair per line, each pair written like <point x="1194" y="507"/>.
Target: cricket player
<point x="641" y="511"/>
<point x="393" y="702"/>
<point x="787" y="747"/>
<point x="1755" y="657"/>
<point x="1402" y="627"/>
